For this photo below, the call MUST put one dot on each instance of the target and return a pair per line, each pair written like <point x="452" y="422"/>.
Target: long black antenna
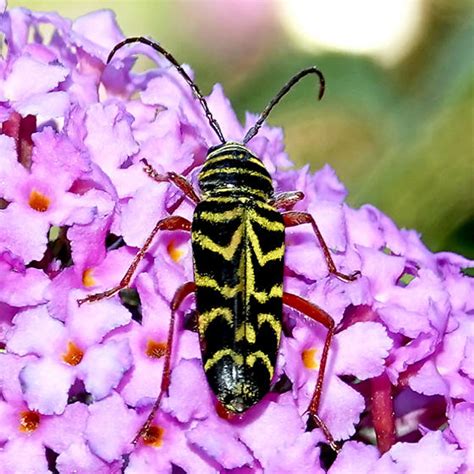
<point x="141" y="39"/>
<point x="286" y="88"/>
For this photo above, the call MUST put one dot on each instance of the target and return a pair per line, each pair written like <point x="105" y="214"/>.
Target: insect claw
<point x="347" y="278"/>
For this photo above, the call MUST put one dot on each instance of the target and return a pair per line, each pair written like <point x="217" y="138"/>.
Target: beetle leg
<point x="286" y="200"/>
<point x="294" y="218"/>
<point x="181" y="293"/>
<point x="168" y="223"/>
<point x="179" y="181"/>
<point x="319" y="315"/>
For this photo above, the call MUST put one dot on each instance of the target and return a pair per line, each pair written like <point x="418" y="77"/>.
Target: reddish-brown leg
<point x="179" y="181"/>
<point x="316" y="314"/>
<point x="181" y="293"/>
<point x="294" y="218"/>
<point x="168" y="223"/>
<point x="286" y="200"/>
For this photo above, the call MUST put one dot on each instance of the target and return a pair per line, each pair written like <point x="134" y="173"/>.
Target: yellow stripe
<point x="225" y="290"/>
<point x="229" y="146"/>
<point x="206" y="318"/>
<point x="272" y="321"/>
<point x="225" y="216"/>
<point x="237" y="358"/>
<point x="211" y="160"/>
<point x="231" y="170"/>
<point x="246" y="331"/>
<point x="264" y="258"/>
<point x="266" y="223"/>
<point x="227" y="251"/>
<point x="232" y="214"/>
<point x="242" y="200"/>
<point x="252" y="358"/>
<point x="264" y="296"/>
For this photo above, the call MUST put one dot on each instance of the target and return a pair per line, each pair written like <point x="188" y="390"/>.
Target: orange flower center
<point x="156" y="350"/>
<point x="174" y="252"/>
<point x="74" y="355"/>
<point x="154" y="436"/>
<point x="29" y="421"/>
<point x="309" y="359"/>
<point x="87" y="278"/>
<point x="38" y="201"/>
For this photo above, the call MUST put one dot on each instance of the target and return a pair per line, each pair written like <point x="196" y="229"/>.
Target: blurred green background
<point x="397" y="119"/>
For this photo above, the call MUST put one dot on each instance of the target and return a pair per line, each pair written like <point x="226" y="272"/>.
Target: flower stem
<point x="383" y="416"/>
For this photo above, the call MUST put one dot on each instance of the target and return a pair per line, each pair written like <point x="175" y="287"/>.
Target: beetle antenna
<point x="286" y="88"/>
<point x="197" y="93"/>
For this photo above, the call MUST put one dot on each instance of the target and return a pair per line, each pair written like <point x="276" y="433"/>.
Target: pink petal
<point x="341" y="407"/>
<point x="461" y="424"/>
<point x="23" y="456"/>
<point x="301" y="456"/>
<point x="24" y="288"/>
<point x="355" y="454"/>
<point x="362" y="349"/>
<point x="220" y="442"/>
<point x="78" y="459"/>
<point x="189" y="394"/>
<point x="55" y="154"/>
<point x="29" y="325"/>
<point x="109" y="136"/>
<point x="428" y="380"/>
<point x="142" y="213"/>
<point x="91" y="322"/>
<point x="111" y="428"/>
<point x="29" y="77"/>
<point x="260" y="436"/>
<point x="23" y="234"/>
<point x="46" y="384"/>
<point x="363" y="226"/>
<point x="103" y="367"/>
<point x="328" y="186"/>
<point x="382" y="270"/>
<point x="431" y="454"/>
<point x="60" y="432"/>
<point x="97" y="32"/>
<point x="50" y="105"/>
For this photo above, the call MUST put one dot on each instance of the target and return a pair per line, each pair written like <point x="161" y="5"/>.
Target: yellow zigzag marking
<point x="266" y="223"/>
<point x="264" y="296"/>
<point x="252" y="358"/>
<point x="227" y="251"/>
<point x="272" y="321"/>
<point x="226" y="290"/>
<point x="206" y="318"/>
<point x="237" y="358"/>
<point x="262" y="258"/>
<point x="231" y="291"/>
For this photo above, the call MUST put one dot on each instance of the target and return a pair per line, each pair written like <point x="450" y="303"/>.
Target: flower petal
<point x="362" y="350"/>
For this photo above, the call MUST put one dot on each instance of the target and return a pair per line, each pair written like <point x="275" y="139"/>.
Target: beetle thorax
<point x="233" y="170"/>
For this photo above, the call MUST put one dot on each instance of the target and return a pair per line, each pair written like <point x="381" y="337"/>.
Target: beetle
<point x="238" y="243"/>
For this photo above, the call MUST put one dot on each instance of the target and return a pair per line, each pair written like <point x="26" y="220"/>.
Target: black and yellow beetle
<point x="238" y="242"/>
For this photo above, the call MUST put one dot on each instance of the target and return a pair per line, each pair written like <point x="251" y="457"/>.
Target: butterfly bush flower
<point x="77" y="383"/>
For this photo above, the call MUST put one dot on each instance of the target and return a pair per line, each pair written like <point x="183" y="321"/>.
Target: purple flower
<point x="77" y="383"/>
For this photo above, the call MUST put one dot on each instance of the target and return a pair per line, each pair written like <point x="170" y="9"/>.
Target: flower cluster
<point x="77" y="382"/>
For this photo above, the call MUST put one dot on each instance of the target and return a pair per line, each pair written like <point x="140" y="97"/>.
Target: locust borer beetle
<point x="238" y="243"/>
